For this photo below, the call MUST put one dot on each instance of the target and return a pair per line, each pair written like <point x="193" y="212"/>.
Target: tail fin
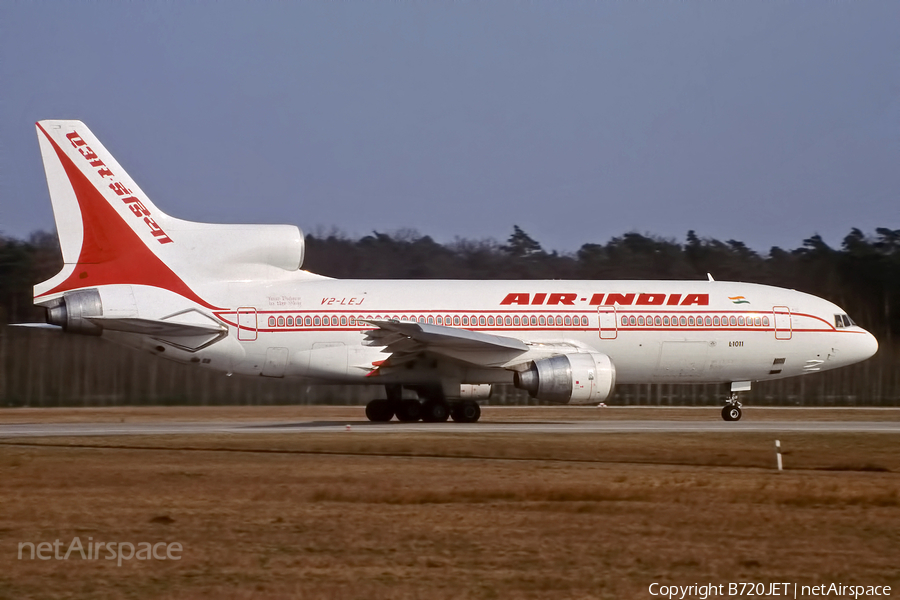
<point x="111" y="233"/>
<point x="109" y="230"/>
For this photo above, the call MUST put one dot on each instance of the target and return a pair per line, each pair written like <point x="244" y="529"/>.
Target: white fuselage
<point x="653" y="331"/>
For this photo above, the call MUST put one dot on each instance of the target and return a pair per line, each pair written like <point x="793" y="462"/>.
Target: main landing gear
<point x="433" y="409"/>
<point x="732" y="409"/>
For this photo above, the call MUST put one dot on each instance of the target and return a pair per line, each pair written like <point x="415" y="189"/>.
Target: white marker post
<point x="778" y="453"/>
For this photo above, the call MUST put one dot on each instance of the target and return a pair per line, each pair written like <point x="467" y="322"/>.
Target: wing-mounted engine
<point x="579" y="378"/>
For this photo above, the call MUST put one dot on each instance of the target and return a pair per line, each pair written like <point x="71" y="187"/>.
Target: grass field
<point x="481" y="516"/>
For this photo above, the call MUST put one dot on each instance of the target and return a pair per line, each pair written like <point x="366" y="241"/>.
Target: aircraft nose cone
<point x="869" y="346"/>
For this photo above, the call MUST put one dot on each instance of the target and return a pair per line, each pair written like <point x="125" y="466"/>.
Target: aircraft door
<point x="608" y="326"/>
<point x="276" y="361"/>
<point x="782" y="318"/>
<point x="246" y="318"/>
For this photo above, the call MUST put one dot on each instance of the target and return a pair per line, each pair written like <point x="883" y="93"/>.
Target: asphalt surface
<point x="32" y="430"/>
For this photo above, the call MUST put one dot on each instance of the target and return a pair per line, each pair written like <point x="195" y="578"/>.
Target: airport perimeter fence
<point x="46" y="369"/>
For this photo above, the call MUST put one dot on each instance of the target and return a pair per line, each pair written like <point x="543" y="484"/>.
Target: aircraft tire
<point x="466" y="412"/>
<point x="409" y="411"/>
<point x="379" y="411"/>
<point x="435" y="411"/>
<point x="731" y="412"/>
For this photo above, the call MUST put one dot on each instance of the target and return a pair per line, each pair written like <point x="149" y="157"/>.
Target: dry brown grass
<point x="492" y="516"/>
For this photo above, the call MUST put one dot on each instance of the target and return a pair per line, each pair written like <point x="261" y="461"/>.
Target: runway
<point x="33" y="430"/>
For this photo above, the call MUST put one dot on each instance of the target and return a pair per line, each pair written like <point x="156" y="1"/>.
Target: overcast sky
<point x="764" y="122"/>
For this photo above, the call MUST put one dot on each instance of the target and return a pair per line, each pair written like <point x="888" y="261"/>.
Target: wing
<point x="404" y="341"/>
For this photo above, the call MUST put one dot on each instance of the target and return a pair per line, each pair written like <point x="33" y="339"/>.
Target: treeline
<point x="862" y="276"/>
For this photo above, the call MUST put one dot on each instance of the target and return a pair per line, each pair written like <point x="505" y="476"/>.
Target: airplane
<point x="235" y="299"/>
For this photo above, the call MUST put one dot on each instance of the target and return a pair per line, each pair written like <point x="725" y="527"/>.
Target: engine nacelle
<point x="72" y="309"/>
<point x="582" y="378"/>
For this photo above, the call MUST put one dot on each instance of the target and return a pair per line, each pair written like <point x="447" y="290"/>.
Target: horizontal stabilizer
<point x="189" y="330"/>
<point x="155" y="328"/>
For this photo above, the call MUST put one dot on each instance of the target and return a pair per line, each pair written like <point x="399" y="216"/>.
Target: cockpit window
<point x="841" y="321"/>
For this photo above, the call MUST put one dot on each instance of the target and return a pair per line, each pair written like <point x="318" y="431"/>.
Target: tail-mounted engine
<point x="72" y="310"/>
<point x="583" y="378"/>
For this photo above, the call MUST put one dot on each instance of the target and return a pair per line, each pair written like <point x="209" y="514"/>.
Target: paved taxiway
<point x="28" y="430"/>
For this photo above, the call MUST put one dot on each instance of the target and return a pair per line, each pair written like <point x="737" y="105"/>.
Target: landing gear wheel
<point x="466" y="412"/>
<point x="435" y="411"/>
<point x="731" y="412"/>
<point x="409" y="411"/>
<point x="379" y="411"/>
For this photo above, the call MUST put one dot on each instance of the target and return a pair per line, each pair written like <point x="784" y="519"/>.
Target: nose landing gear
<point x="732" y="409"/>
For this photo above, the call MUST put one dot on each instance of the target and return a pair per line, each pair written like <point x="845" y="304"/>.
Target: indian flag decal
<point x="738" y="299"/>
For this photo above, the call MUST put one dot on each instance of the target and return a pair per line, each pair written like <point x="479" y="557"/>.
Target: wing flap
<point x="404" y="339"/>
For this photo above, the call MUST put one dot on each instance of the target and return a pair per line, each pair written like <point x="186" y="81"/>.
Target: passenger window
<point x="431" y="320"/>
<point x="317" y="321"/>
<point x="757" y="321"/>
<point x="344" y="321"/>
<point x="568" y="320"/>
<point x="683" y="321"/>
<point x="691" y="321"/>
<point x="640" y="320"/>
<point x="624" y="320"/>
<point x="733" y="321"/>
<point x="456" y="320"/>
<point x="352" y="321"/>
<point x="542" y="321"/>
<point x="271" y="321"/>
<point x="465" y="320"/>
<point x="439" y="319"/>
<point x="666" y="320"/>
<point x="716" y="321"/>
<point x="481" y="321"/>
<point x="509" y="321"/>
<point x="534" y="320"/>
<point x="765" y="321"/>
<point x="740" y="320"/>
<point x="307" y="321"/>
<point x="515" y="320"/>
<point x="657" y="321"/>
<point x="632" y="321"/>
<point x="490" y="320"/>
<point x="281" y="321"/>
<point x="290" y="321"/>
